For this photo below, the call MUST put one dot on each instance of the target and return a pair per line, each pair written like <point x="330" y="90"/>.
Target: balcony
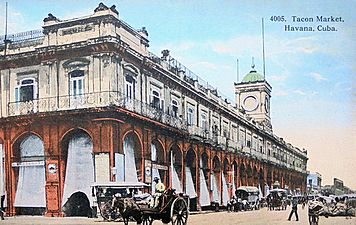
<point x="232" y="145"/>
<point x="93" y="100"/>
<point x="198" y="131"/>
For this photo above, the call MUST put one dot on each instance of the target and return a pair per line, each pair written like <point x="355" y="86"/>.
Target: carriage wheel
<point x="179" y="212"/>
<point x="107" y="213"/>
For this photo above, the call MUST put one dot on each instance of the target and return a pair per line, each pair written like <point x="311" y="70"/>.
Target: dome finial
<point x="253" y="63"/>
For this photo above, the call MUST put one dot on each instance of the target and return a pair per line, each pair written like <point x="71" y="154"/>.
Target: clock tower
<point x="253" y="96"/>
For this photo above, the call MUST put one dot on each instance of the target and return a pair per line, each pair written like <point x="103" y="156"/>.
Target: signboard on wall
<point x="102" y="171"/>
<point x="148" y="171"/>
<point x="51" y="170"/>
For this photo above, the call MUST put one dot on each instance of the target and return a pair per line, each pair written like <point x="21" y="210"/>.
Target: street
<point x="260" y="217"/>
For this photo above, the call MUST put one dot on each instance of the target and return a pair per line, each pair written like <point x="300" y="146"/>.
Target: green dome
<point x="252" y="76"/>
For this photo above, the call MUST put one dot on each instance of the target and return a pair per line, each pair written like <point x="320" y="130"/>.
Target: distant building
<point x="84" y="100"/>
<point x="337" y="188"/>
<point x="314" y="183"/>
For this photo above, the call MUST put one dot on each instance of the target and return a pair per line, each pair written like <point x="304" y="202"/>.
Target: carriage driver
<point x="159" y="190"/>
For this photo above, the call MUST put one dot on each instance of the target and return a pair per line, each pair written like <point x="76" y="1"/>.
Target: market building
<point x="84" y="100"/>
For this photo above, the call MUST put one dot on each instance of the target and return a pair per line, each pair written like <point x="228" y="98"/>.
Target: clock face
<point x="250" y="103"/>
<point x="267" y="104"/>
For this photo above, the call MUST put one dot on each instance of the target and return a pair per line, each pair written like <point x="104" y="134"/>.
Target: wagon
<point x="277" y="199"/>
<point x="173" y="208"/>
<point x="249" y="195"/>
<point x="104" y="193"/>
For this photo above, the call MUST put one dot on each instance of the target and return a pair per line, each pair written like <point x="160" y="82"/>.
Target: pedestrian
<point x="294" y="209"/>
<point x="2" y="211"/>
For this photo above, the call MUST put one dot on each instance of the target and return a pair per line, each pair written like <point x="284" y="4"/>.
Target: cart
<point x="173" y="208"/>
<point x="248" y="198"/>
<point x="277" y="199"/>
<point x="104" y="193"/>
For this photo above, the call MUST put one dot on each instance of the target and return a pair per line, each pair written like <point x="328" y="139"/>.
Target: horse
<point x="128" y="208"/>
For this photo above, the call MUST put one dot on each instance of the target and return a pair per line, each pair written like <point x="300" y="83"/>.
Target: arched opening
<point x="132" y="159"/>
<point x="191" y="178"/>
<point x="77" y="151"/>
<point x="204" y="197"/>
<point x="249" y="176"/>
<point x="215" y="180"/>
<point x="234" y="179"/>
<point x="175" y="159"/>
<point x="77" y="205"/>
<point x="243" y="175"/>
<point x="30" y="198"/>
<point x="255" y="176"/>
<point x="225" y="180"/>
<point x="261" y="181"/>
<point x="159" y="168"/>
<point x="269" y="178"/>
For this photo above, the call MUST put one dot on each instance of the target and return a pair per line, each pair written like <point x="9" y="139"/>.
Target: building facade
<point x="84" y="101"/>
<point x="337" y="188"/>
<point x="314" y="183"/>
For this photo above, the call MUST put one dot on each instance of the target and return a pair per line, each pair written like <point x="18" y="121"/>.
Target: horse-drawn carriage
<point x="246" y="198"/>
<point x="105" y="193"/>
<point x="172" y="208"/>
<point x="123" y="201"/>
<point x="277" y="199"/>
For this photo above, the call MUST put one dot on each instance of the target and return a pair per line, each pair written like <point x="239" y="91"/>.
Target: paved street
<point x="261" y="217"/>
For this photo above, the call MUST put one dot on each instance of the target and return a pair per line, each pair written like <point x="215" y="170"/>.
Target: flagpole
<point x="263" y="49"/>
<point x="5" y="38"/>
<point x="237" y="71"/>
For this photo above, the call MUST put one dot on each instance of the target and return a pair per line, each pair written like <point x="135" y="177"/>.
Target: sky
<point x="312" y="73"/>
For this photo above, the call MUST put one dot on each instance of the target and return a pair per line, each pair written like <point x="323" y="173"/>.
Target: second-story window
<point x="129" y="87"/>
<point x="26" y="91"/>
<point x="156" y="99"/>
<point x="190" y="115"/>
<point x="248" y="144"/>
<point x="76" y="83"/>
<point x="225" y="130"/>
<point x="204" y="122"/>
<point x="174" y="105"/>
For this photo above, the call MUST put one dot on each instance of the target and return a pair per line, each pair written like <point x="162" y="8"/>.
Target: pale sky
<point x="311" y="73"/>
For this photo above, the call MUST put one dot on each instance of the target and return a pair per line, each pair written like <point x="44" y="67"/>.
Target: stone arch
<point x="176" y="163"/>
<point x="78" y="172"/>
<point x="159" y="167"/>
<point x="204" y="197"/>
<point x="30" y="175"/>
<point x="225" y="178"/>
<point x="191" y="177"/>
<point x="204" y="164"/>
<point x="161" y="156"/>
<point x="261" y="181"/>
<point x="226" y="166"/>
<point x="243" y="176"/>
<point x="235" y="175"/>
<point x="216" y="182"/>
<point x="255" y="176"/>
<point x="132" y="149"/>
<point x="130" y="67"/>
<point x="249" y="175"/>
<point x="269" y="177"/>
<point x="216" y="167"/>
